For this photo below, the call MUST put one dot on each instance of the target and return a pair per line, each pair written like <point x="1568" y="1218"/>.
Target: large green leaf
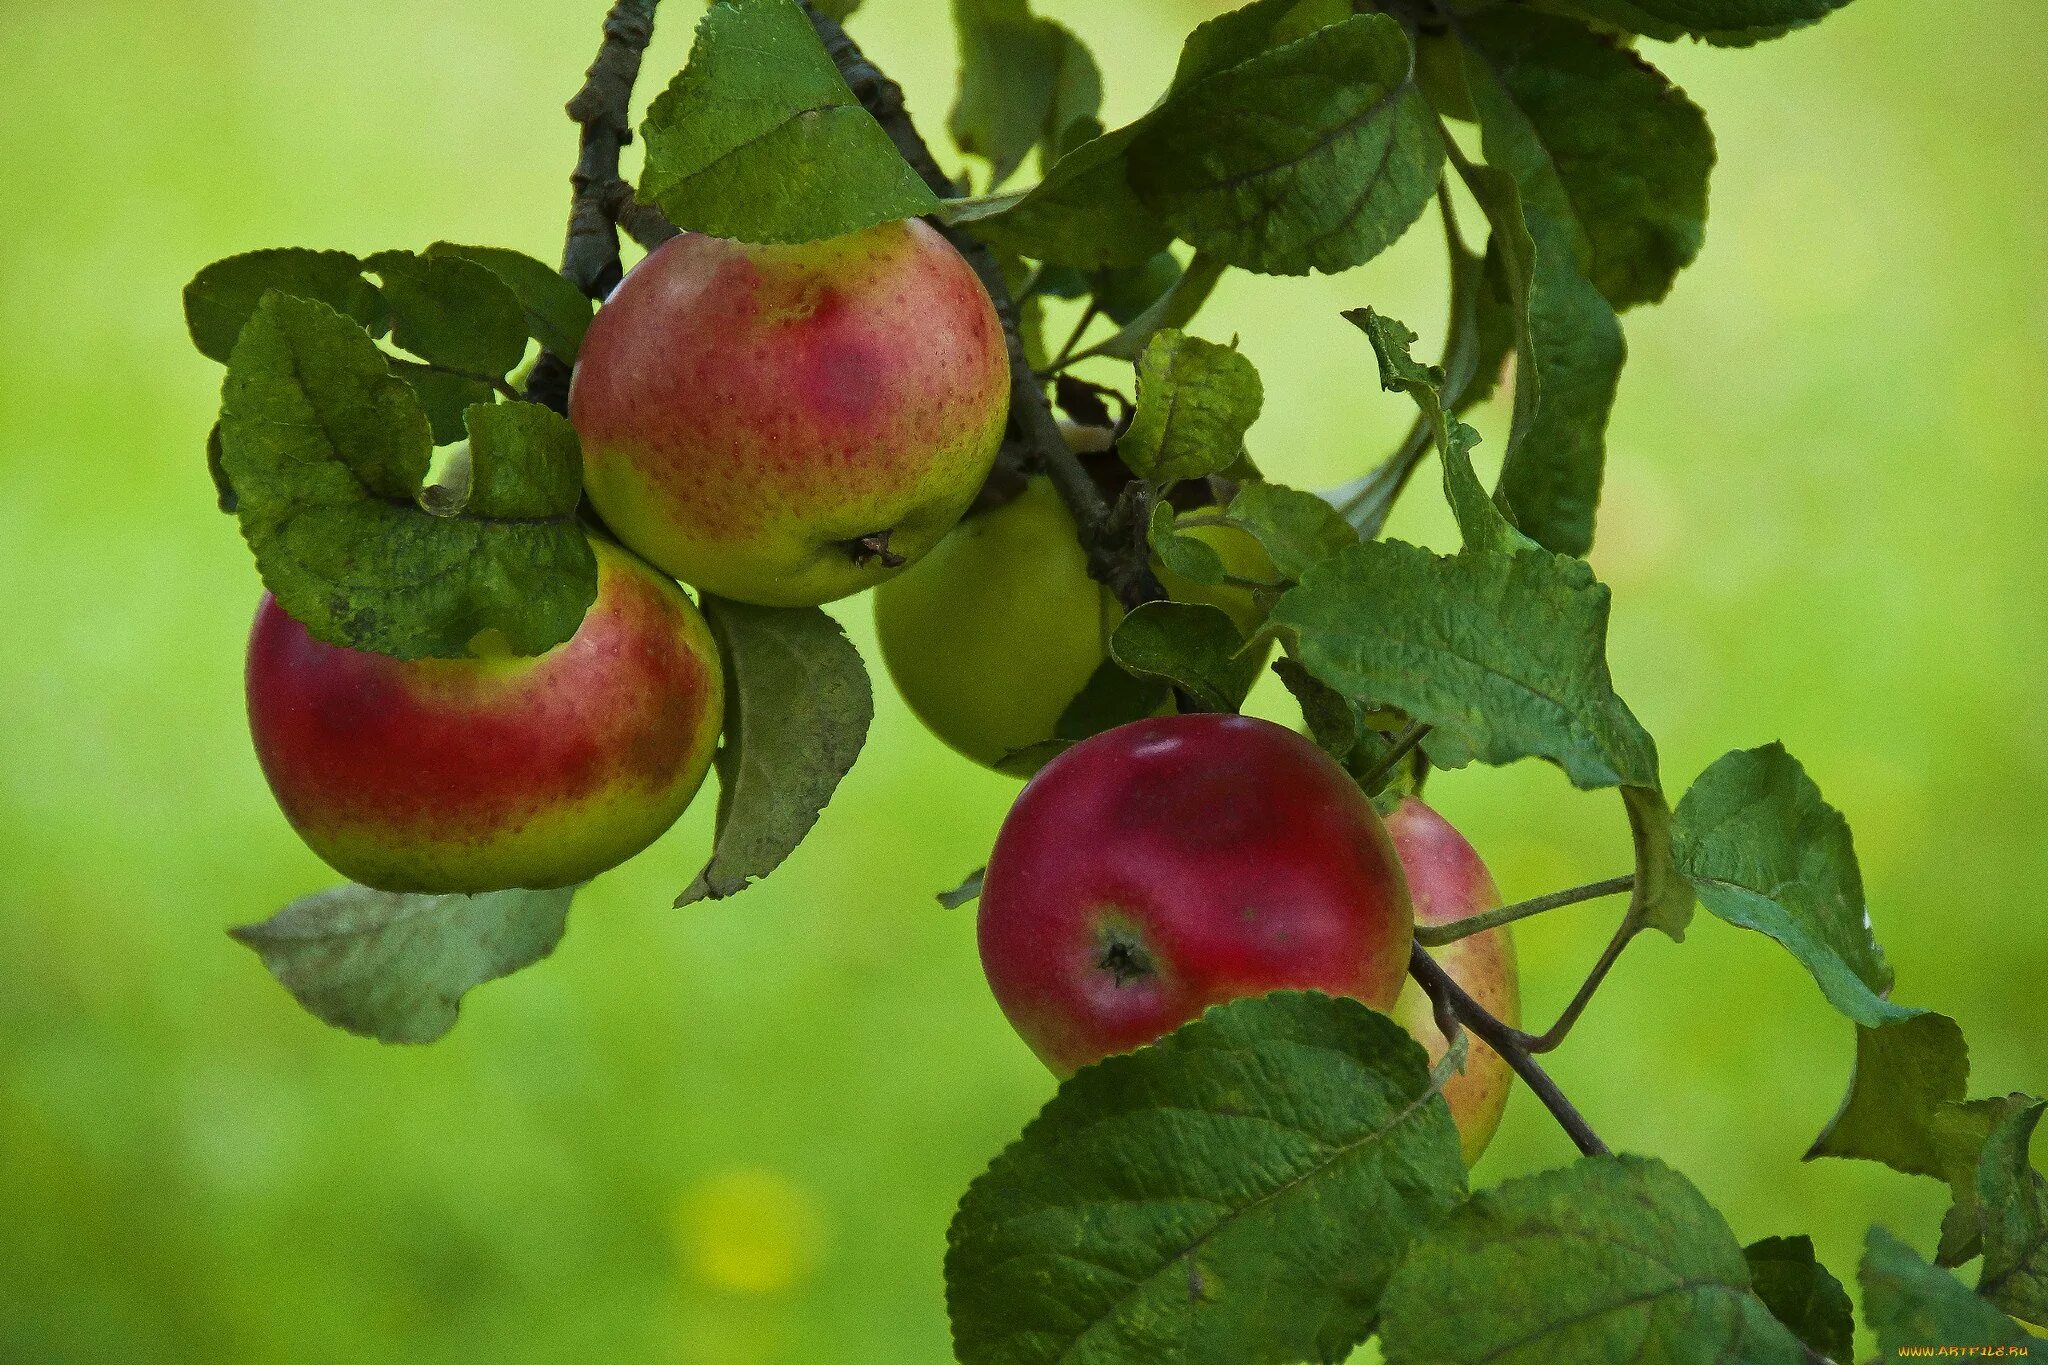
<point x="759" y="139"/>
<point x="1610" y="1259"/>
<point x="1909" y="1303"/>
<point x="1196" y="400"/>
<point x="1236" y="1194"/>
<point x="797" y="707"/>
<point x="326" y="451"/>
<point x="1083" y="214"/>
<point x="395" y="967"/>
<point x="2013" y="1204"/>
<point x="1569" y="345"/>
<point x="1024" y="81"/>
<point x="1314" y="155"/>
<point x="1630" y="151"/>
<point x="1800" y="1293"/>
<point x="1764" y="851"/>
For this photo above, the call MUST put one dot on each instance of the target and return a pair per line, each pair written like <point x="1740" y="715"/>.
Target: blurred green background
<point x="734" y="1134"/>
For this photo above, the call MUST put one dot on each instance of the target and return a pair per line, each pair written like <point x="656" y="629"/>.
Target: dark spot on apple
<point x="1123" y="957"/>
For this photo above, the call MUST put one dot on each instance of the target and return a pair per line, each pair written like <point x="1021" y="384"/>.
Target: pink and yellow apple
<point x="995" y="633"/>
<point x="1176" y="863"/>
<point x="483" y="773"/>
<point x="787" y="425"/>
<point x="1448" y="882"/>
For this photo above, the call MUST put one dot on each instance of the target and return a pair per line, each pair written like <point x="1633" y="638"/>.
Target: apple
<point x="1179" y="862"/>
<point x="492" y="771"/>
<point x="994" y="634"/>
<point x="1447" y="882"/>
<point x="785" y="424"/>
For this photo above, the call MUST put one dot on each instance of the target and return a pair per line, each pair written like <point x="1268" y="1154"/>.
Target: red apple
<point x="1179" y="862"/>
<point x="1447" y="882"/>
<point x="790" y="424"/>
<point x="483" y="773"/>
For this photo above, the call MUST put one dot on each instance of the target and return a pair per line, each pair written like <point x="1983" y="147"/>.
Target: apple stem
<point x="1438" y="935"/>
<point x="873" y="545"/>
<point x="1449" y="1000"/>
<point x="1383" y="767"/>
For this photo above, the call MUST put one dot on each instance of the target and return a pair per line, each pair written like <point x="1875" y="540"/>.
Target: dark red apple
<point x="1177" y="863"/>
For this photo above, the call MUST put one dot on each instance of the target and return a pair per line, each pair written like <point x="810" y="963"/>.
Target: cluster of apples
<point x="786" y="426"/>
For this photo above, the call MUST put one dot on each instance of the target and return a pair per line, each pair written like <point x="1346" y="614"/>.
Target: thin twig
<point x="1437" y="935"/>
<point x="1448" y="998"/>
<point x="1549" y="1039"/>
<point x="1117" y="552"/>
<point x="1383" y="767"/>
<point x="599" y="199"/>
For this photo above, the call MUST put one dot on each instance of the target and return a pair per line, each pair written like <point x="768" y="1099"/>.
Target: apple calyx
<point x="872" y="546"/>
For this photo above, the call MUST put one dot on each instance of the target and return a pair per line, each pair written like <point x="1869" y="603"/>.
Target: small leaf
<point x="2014" y="1208"/>
<point x="452" y="312"/>
<point x="1765" y="852"/>
<point x="797" y="707"/>
<point x="1124" y="294"/>
<point x="326" y="452"/>
<point x="759" y="139"/>
<point x="1569" y="345"/>
<point x="1238" y="1192"/>
<point x="395" y="967"/>
<point x="1911" y="1304"/>
<point x="1111" y="697"/>
<point x="446" y="398"/>
<point x="1630" y="151"/>
<point x="1184" y="556"/>
<point x="1610" y="1259"/>
<point x="223" y="491"/>
<point x="1024" y="81"/>
<point x="1909" y="1074"/>
<point x="1333" y="719"/>
<point x="1083" y="214"/>
<point x="556" y="312"/>
<point x="221" y="297"/>
<point x="1734" y="23"/>
<point x="968" y="890"/>
<point x="1193" y="647"/>
<point x="1196" y="400"/>
<point x="1314" y="155"/>
<point x="1298" y="530"/>
<point x="1800" y="1293"/>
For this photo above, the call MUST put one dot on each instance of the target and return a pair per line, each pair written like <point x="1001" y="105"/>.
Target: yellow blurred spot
<point x="749" y="1230"/>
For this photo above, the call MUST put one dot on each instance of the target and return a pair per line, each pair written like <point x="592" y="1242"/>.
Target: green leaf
<point x="1630" y="151"/>
<point x="1315" y="155"/>
<point x="1196" y="400"/>
<point x="1911" y="1304"/>
<point x="446" y="398"/>
<point x="395" y="967"/>
<point x="1732" y="23"/>
<point x="1504" y="653"/>
<point x="1196" y="648"/>
<point x="223" y="491"/>
<point x="1024" y="81"/>
<point x="2014" y="1208"/>
<point x="326" y="452"/>
<point x="1124" y="294"/>
<point x="1084" y="213"/>
<point x="1111" y="697"/>
<point x="1298" y="530"/>
<point x="1183" y="555"/>
<point x="759" y="139"/>
<point x="1569" y="346"/>
<point x="556" y="312"/>
<point x="1901" y="1109"/>
<point x="1800" y="1293"/>
<point x="1610" y="1259"/>
<point x="221" y="297"/>
<point x="797" y="707"/>
<point x="1764" y="851"/>
<point x="452" y="312"/>
<point x="1238" y="1192"/>
<point x="1332" y="718"/>
<point x="1174" y="308"/>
